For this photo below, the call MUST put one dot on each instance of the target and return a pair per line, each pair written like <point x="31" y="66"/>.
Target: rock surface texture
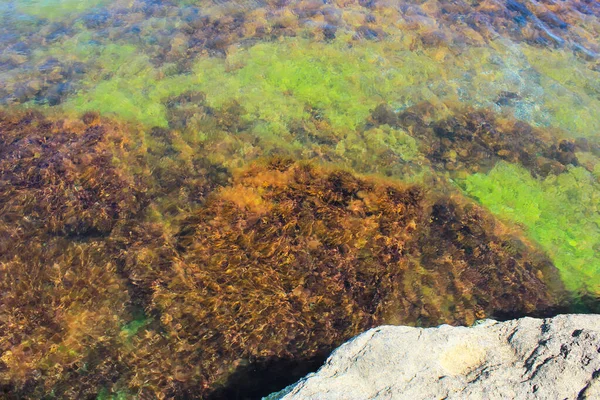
<point x="555" y="358"/>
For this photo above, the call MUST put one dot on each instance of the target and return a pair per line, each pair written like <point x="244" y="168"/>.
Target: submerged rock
<point x="554" y="358"/>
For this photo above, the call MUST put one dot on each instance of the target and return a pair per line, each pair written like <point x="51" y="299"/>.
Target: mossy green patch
<point x="134" y="97"/>
<point x="120" y="80"/>
<point x="278" y="81"/>
<point x="105" y="394"/>
<point x="129" y="87"/>
<point x="571" y="90"/>
<point x="341" y="81"/>
<point x="101" y="59"/>
<point x="56" y="9"/>
<point x="562" y="213"/>
<point x="275" y="82"/>
<point x="376" y="149"/>
<point x="591" y="162"/>
<point x="134" y="326"/>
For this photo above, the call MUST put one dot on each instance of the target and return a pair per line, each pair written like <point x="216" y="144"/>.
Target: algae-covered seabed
<point x="203" y="198"/>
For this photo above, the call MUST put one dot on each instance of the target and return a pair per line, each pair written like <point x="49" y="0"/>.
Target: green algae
<point x="56" y="9"/>
<point x="561" y="213"/>
<point x="105" y="58"/>
<point x="571" y="90"/>
<point x="135" y="91"/>
<point x="274" y="82"/>
<point x="119" y="81"/>
<point x="105" y="394"/>
<point x="367" y="151"/>
<point x="282" y="81"/>
<point x="277" y="81"/>
<point x="591" y="163"/>
<point x="132" y="328"/>
<point x="136" y="96"/>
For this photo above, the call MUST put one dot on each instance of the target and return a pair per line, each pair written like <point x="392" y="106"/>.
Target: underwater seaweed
<point x="299" y="54"/>
<point x="292" y="259"/>
<point x="56" y="9"/>
<point x="560" y="212"/>
<point x="178" y="251"/>
<point x="475" y="140"/>
<point x="275" y="264"/>
<point x="62" y="179"/>
<point x="61" y="308"/>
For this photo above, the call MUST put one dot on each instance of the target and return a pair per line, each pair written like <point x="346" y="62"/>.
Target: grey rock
<point x="556" y="358"/>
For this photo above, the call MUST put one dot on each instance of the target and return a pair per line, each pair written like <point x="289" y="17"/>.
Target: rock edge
<point x="528" y="358"/>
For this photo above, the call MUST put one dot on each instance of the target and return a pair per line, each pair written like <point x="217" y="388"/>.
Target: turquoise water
<point x="201" y="199"/>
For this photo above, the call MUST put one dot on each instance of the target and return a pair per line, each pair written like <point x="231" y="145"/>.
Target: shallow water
<point x="204" y="198"/>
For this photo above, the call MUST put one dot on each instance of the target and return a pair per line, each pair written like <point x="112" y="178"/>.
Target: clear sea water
<point x="202" y="199"/>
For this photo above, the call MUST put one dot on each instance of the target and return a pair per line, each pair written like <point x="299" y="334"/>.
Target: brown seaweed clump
<point x="474" y="140"/>
<point x="63" y="301"/>
<point x="61" y="176"/>
<point x="292" y="259"/>
<point x="62" y="306"/>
